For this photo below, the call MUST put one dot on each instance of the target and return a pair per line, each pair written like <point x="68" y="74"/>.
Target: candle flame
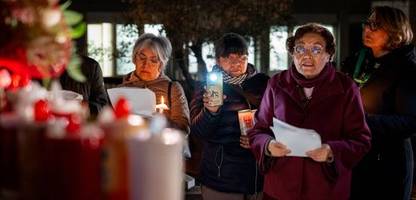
<point x="162" y="106"/>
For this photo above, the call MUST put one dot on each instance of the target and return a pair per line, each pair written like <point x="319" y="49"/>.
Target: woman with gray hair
<point x="150" y="56"/>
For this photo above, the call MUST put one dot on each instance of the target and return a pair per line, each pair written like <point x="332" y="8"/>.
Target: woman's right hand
<point x="206" y="99"/>
<point x="277" y="149"/>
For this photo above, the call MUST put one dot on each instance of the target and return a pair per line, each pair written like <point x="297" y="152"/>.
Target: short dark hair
<point x="312" y="28"/>
<point x="230" y="43"/>
<point x="395" y="23"/>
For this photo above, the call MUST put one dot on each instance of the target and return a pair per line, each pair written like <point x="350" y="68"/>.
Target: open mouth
<point x="308" y="65"/>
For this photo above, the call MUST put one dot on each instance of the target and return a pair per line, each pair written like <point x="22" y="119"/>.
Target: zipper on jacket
<point x="221" y="150"/>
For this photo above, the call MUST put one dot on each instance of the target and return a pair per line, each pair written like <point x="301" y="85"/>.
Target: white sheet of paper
<point x="298" y="140"/>
<point x="142" y="100"/>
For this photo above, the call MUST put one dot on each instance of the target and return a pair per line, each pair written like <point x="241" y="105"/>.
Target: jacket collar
<point x="402" y="54"/>
<point x="333" y="86"/>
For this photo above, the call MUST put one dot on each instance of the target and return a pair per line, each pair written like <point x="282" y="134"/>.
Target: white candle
<point x="162" y="106"/>
<point x="156" y="166"/>
<point x="115" y="167"/>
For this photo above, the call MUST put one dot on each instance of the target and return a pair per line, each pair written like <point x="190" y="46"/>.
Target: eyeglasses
<point x="372" y="25"/>
<point x="232" y="59"/>
<point x="315" y="50"/>
<point x="142" y="59"/>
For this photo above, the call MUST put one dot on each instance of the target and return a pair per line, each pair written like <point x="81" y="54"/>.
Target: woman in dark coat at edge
<point x="228" y="168"/>
<point x="386" y="72"/>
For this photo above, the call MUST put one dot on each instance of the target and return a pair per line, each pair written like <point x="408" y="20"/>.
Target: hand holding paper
<point x="277" y="149"/>
<point x="297" y="140"/>
<point x="322" y="154"/>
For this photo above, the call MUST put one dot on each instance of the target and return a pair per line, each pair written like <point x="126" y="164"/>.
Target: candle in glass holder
<point x="246" y="120"/>
<point x="156" y="166"/>
<point x="215" y="88"/>
<point x="115" y="161"/>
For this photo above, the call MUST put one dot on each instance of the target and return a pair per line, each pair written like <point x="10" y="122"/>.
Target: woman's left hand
<point x="245" y="141"/>
<point x="321" y="154"/>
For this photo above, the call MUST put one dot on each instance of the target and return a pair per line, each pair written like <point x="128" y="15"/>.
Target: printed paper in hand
<point x="142" y="101"/>
<point x="298" y="140"/>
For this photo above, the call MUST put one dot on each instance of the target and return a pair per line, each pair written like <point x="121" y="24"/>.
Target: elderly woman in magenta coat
<point x="312" y="95"/>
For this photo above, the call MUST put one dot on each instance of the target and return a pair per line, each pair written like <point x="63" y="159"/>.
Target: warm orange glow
<point x="162" y="106"/>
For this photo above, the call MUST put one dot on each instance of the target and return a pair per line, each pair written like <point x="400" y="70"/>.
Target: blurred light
<point x="135" y="120"/>
<point x="170" y="137"/>
<point x="213" y="77"/>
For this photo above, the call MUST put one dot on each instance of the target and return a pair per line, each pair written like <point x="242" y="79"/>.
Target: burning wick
<point x="162" y="106"/>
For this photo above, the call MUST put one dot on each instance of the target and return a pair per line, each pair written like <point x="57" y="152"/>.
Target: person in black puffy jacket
<point x="228" y="168"/>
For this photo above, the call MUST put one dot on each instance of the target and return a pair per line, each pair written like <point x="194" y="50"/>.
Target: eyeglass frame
<point x="321" y="48"/>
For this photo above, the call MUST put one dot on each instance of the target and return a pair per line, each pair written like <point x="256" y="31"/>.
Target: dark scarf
<point x="313" y="82"/>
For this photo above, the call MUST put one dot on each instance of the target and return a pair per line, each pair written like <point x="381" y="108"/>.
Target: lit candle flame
<point x="162" y="106"/>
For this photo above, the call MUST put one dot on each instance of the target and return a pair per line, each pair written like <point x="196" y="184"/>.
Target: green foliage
<point x="72" y="17"/>
<point x="78" y="30"/>
<point x="46" y="82"/>
<point x="74" y="70"/>
<point x="65" y="5"/>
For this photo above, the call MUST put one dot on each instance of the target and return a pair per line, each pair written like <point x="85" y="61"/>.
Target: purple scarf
<point x="313" y="82"/>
